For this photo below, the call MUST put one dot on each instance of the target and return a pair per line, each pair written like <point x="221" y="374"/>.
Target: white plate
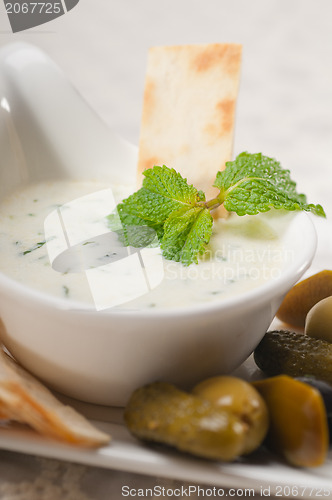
<point x="261" y="471"/>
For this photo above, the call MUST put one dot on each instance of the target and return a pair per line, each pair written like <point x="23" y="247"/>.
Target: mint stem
<point x="214" y="202"/>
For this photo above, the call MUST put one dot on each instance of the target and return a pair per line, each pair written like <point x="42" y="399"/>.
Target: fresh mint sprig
<point x="254" y="183"/>
<point x="179" y="216"/>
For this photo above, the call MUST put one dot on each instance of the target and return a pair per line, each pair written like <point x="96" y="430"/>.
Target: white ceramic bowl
<point x="100" y="357"/>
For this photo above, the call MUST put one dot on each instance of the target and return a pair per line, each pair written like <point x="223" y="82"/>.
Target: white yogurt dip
<point x="243" y="253"/>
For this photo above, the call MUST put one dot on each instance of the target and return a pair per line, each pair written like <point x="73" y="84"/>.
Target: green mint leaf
<point x="186" y="234"/>
<point x="254" y="183"/>
<point x="163" y="192"/>
<point x="169" y="184"/>
<point x="169" y="212"/>
<point x="145" y="214"/>
<point x="133" y="231"/>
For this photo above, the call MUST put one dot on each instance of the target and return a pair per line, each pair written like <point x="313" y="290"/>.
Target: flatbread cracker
<point x="189" y="110"/>
<point x="3" y="414"/>
<point x="24" y="399"/>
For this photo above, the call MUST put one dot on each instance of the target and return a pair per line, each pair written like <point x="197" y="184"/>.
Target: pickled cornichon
<point x="294" y="354"/>
<point x="162" y="413"/>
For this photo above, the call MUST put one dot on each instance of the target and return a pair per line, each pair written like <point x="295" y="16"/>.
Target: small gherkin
<point x="294" y="354"/>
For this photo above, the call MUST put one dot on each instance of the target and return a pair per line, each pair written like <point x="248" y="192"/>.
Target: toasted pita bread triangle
<point x="189" y="110"/>
<point x="24" y="399"/>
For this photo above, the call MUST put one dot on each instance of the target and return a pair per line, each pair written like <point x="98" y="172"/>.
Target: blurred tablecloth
<point x="284" y="110"/>
<point x="31" y="478"/>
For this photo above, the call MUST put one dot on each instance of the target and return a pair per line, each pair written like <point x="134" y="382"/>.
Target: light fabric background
<point x="284" y="110"/>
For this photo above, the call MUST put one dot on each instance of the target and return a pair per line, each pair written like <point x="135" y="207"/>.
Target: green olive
<point x="239" y="398"/>
<point x="162" y="413"/>
<point x="319" y="320"/>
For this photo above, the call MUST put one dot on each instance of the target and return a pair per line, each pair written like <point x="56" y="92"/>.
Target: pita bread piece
<point x="189" y="110"/>
<point x="24" y="399"/>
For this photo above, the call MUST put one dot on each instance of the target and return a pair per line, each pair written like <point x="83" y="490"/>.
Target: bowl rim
<point x="289" y="275"/>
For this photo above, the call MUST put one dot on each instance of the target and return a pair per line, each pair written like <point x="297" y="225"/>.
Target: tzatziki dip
<point x="243" y="253"/>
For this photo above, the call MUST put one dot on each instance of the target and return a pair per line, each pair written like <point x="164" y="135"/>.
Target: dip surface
<point x="243" y="253"/>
